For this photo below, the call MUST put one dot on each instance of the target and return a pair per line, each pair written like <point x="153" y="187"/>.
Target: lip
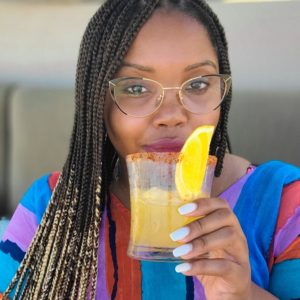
<point x="164" y="145"/>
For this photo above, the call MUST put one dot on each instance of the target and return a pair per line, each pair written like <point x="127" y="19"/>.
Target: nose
<point x="171" y="112"/>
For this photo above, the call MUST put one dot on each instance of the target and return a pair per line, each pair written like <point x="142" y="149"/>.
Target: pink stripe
<point x="21" y="228"/>
<point x="102" y="293"/>
<point x="287" y="233"/>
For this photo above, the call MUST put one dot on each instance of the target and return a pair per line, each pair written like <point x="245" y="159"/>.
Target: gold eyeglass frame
<point x="113" y="83"/>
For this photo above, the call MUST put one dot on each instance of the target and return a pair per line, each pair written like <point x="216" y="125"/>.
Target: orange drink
<point x="155" y="200"/>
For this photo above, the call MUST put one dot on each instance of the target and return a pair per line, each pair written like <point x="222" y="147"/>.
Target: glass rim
<point x="165" y="157"/>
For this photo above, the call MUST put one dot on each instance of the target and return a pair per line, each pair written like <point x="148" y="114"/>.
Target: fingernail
<point x="179" y="234"/>
<point x="187" y="208"/>
<point x="182" y="250"/>
<point x="183" y="267"/>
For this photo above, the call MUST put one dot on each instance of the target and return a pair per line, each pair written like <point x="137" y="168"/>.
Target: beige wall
<point x="39" y="42"/>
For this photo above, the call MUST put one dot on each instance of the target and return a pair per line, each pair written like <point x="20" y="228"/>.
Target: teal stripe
<point x="161" y="282"/>
<point x="8" y="269"/>
<point x="285" y="280"/>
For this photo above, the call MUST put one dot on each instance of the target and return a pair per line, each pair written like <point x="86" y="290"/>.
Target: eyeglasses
<point x="141" y="97"/>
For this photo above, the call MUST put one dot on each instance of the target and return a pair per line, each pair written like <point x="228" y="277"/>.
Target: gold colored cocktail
<point x="154" y="203"/>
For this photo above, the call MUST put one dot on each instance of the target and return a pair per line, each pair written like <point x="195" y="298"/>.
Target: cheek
<point x="216" y="117"/>
<point x="209" y="119"/>
<point x="125" y="133"/>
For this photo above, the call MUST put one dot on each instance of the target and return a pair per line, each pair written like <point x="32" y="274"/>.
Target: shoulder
<point x="234" y="167"/>
<point x="53" y="179"/>
<point x="284" y="261"/>
<point x="37" y="196"/>
<point x="288" y="216"/>
<point x="22" y="227"/>
<point x="288" y="226"/>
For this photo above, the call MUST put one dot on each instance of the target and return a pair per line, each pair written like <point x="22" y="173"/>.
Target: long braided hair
<point x="61" y="262"/>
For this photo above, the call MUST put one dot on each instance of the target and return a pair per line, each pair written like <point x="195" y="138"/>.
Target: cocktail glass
<point x="154" y="202"/>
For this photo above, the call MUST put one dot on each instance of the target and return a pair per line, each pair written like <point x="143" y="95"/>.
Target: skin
<point x="168" y="53"/>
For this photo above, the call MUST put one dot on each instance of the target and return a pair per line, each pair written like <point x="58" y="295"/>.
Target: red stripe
<point x="290" y="200"/>
<point x="52" y="180"/>
<point x="129" y="284"/>
<point x="291" y="252"/>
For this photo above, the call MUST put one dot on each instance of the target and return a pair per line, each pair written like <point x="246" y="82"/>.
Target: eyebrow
<point x="139" y="67"/>
<point x="201" y="64"/>
<point x="188" y="68"/>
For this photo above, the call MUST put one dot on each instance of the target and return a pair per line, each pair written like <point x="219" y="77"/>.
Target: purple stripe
<point x="198" y="290"/>
<point x="101" y="291"/>
<point x="232" y="193"/>
<point x="21" y="228"/>
<point x="287" y="233"/>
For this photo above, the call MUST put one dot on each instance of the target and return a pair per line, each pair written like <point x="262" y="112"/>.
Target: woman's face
<point x="170" y="48"/>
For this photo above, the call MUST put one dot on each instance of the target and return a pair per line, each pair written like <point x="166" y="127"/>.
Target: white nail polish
<point x="182" y="250"/>
<point x="179" y="234"/>
<point x="183" y="267"/>
<point x="187" y="208"/>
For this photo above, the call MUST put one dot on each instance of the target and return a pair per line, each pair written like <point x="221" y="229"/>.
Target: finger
<point x="212" y="267"/>
<point x="227" y="239"/>
<point x="217" y="219"/>
<point x="201" y="207"/>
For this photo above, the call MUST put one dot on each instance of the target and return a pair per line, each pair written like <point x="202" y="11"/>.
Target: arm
<point x="21" y="229"/>
<point x="284" y="279"/>
<point x="285" y="256"/>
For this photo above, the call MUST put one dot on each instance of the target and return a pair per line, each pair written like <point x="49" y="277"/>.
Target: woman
<point x="79" y="249"/>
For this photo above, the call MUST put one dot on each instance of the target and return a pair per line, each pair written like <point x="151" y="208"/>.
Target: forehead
<point x="171" y="38"/>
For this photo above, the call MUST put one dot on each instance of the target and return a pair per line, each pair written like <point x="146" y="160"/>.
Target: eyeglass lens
<point x="141" y="97"/>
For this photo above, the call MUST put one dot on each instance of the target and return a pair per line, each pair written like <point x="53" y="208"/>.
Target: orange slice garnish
<point x="191" y="166"/>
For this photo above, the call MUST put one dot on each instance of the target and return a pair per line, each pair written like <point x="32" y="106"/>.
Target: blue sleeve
<point x="21" y="229"/>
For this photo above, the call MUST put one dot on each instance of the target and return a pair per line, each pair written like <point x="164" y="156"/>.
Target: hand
<point x="215" y="249"/>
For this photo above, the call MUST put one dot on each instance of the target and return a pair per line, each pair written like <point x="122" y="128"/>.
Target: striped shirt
<point x="150" y="280"/>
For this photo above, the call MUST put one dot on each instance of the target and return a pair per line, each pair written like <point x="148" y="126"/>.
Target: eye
<point x="196" y="85"/>
<point x="134" y="90"/>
